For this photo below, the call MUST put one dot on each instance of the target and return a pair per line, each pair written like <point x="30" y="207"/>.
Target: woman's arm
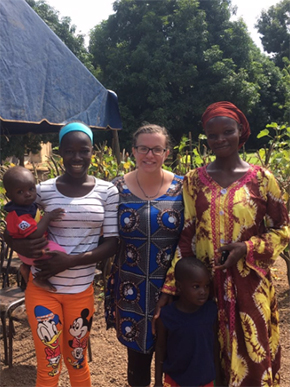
<point x="184" y="248"/>
<point x="62" y="261"/>
<point x="163" y="300"/>
<point x="263" y="249"/>
<point x="267" y="246"/>
<point x="160" y="352"/>
<point x="32" y="248"/>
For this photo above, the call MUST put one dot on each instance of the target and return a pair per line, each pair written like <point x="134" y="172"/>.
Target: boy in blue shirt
<point x="186" y="331"/>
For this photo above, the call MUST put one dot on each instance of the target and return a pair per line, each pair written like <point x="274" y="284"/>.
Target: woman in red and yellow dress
<point x="236" y="207"/>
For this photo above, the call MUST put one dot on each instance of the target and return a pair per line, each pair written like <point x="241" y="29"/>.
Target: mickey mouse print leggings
<point x="60" y="325"/>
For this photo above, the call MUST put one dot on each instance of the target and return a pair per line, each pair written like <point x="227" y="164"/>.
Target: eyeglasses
<point x="144" y="150"/>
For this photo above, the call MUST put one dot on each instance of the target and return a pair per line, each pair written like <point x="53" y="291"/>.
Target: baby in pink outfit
<point x="24" y="219"/>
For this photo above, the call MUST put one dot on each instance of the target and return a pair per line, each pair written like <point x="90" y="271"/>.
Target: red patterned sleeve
<point x="263" y="249"/>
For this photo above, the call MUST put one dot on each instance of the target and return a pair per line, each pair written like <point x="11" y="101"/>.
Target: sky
<point x="86" y="14"/>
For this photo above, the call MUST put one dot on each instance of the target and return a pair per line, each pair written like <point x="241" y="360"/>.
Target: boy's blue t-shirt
<point x="190" y="344"/>
<point x="21" y="210"/>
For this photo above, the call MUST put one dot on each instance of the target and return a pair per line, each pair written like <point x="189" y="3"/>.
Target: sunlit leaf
<point x="127" y="165"/>
<point x="263" y="133"/>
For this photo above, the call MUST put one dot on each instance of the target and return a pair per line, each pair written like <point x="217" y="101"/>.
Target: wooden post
<point x="116" y="145"/>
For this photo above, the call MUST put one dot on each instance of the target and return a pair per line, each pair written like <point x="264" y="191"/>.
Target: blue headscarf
<point x="75" y="127"/>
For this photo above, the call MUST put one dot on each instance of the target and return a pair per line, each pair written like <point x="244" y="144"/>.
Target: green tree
<point x="286" y="82"/>
<point x="274" y="26"/>
<point x="167" y="60"/>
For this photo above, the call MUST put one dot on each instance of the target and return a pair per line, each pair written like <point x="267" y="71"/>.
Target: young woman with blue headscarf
<point x="60" y="321"/>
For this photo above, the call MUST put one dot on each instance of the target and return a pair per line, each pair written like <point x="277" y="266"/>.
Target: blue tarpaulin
<point x="42" y="83"/>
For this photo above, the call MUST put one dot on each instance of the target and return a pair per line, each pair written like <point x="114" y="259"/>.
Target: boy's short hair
<point x="10" y="175"/>
<point x="182" y="267"/>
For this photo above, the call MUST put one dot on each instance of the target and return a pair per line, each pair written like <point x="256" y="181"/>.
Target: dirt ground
<point x="108" y="367"/>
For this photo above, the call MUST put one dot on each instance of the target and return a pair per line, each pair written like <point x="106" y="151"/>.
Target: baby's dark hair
<point x="152" y="128"/>
<point x="184" y="264"/>
<point x="10" y="176"/>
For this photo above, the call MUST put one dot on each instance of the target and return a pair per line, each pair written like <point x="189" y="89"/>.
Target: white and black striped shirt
<point x="79" y="230"/>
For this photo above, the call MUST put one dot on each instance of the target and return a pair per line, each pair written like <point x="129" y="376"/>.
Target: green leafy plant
<point x="105" y="166"/>
<point x="276" y="154"/>
<point x="276" y="157"/>
<point x="191" y="155"/>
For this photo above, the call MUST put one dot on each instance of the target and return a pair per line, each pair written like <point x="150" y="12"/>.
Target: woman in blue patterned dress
<point x="150" y="221"/>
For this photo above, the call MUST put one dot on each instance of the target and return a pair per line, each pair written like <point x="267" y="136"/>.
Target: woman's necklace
<point x="157" y="193"/>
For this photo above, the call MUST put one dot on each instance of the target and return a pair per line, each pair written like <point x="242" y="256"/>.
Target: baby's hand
<point x="56" y="214"/>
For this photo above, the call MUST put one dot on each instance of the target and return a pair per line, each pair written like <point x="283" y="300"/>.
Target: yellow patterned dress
<point x="250" y="210"/>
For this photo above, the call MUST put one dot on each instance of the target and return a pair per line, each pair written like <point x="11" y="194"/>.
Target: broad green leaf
<point x="198" y="160"/>
<point x="263" y="133"/>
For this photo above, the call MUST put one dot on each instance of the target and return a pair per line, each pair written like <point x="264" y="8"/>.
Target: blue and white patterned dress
<point x="149" y="232"/>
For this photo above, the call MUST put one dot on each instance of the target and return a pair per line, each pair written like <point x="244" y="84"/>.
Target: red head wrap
<point x="227" y="109"/>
